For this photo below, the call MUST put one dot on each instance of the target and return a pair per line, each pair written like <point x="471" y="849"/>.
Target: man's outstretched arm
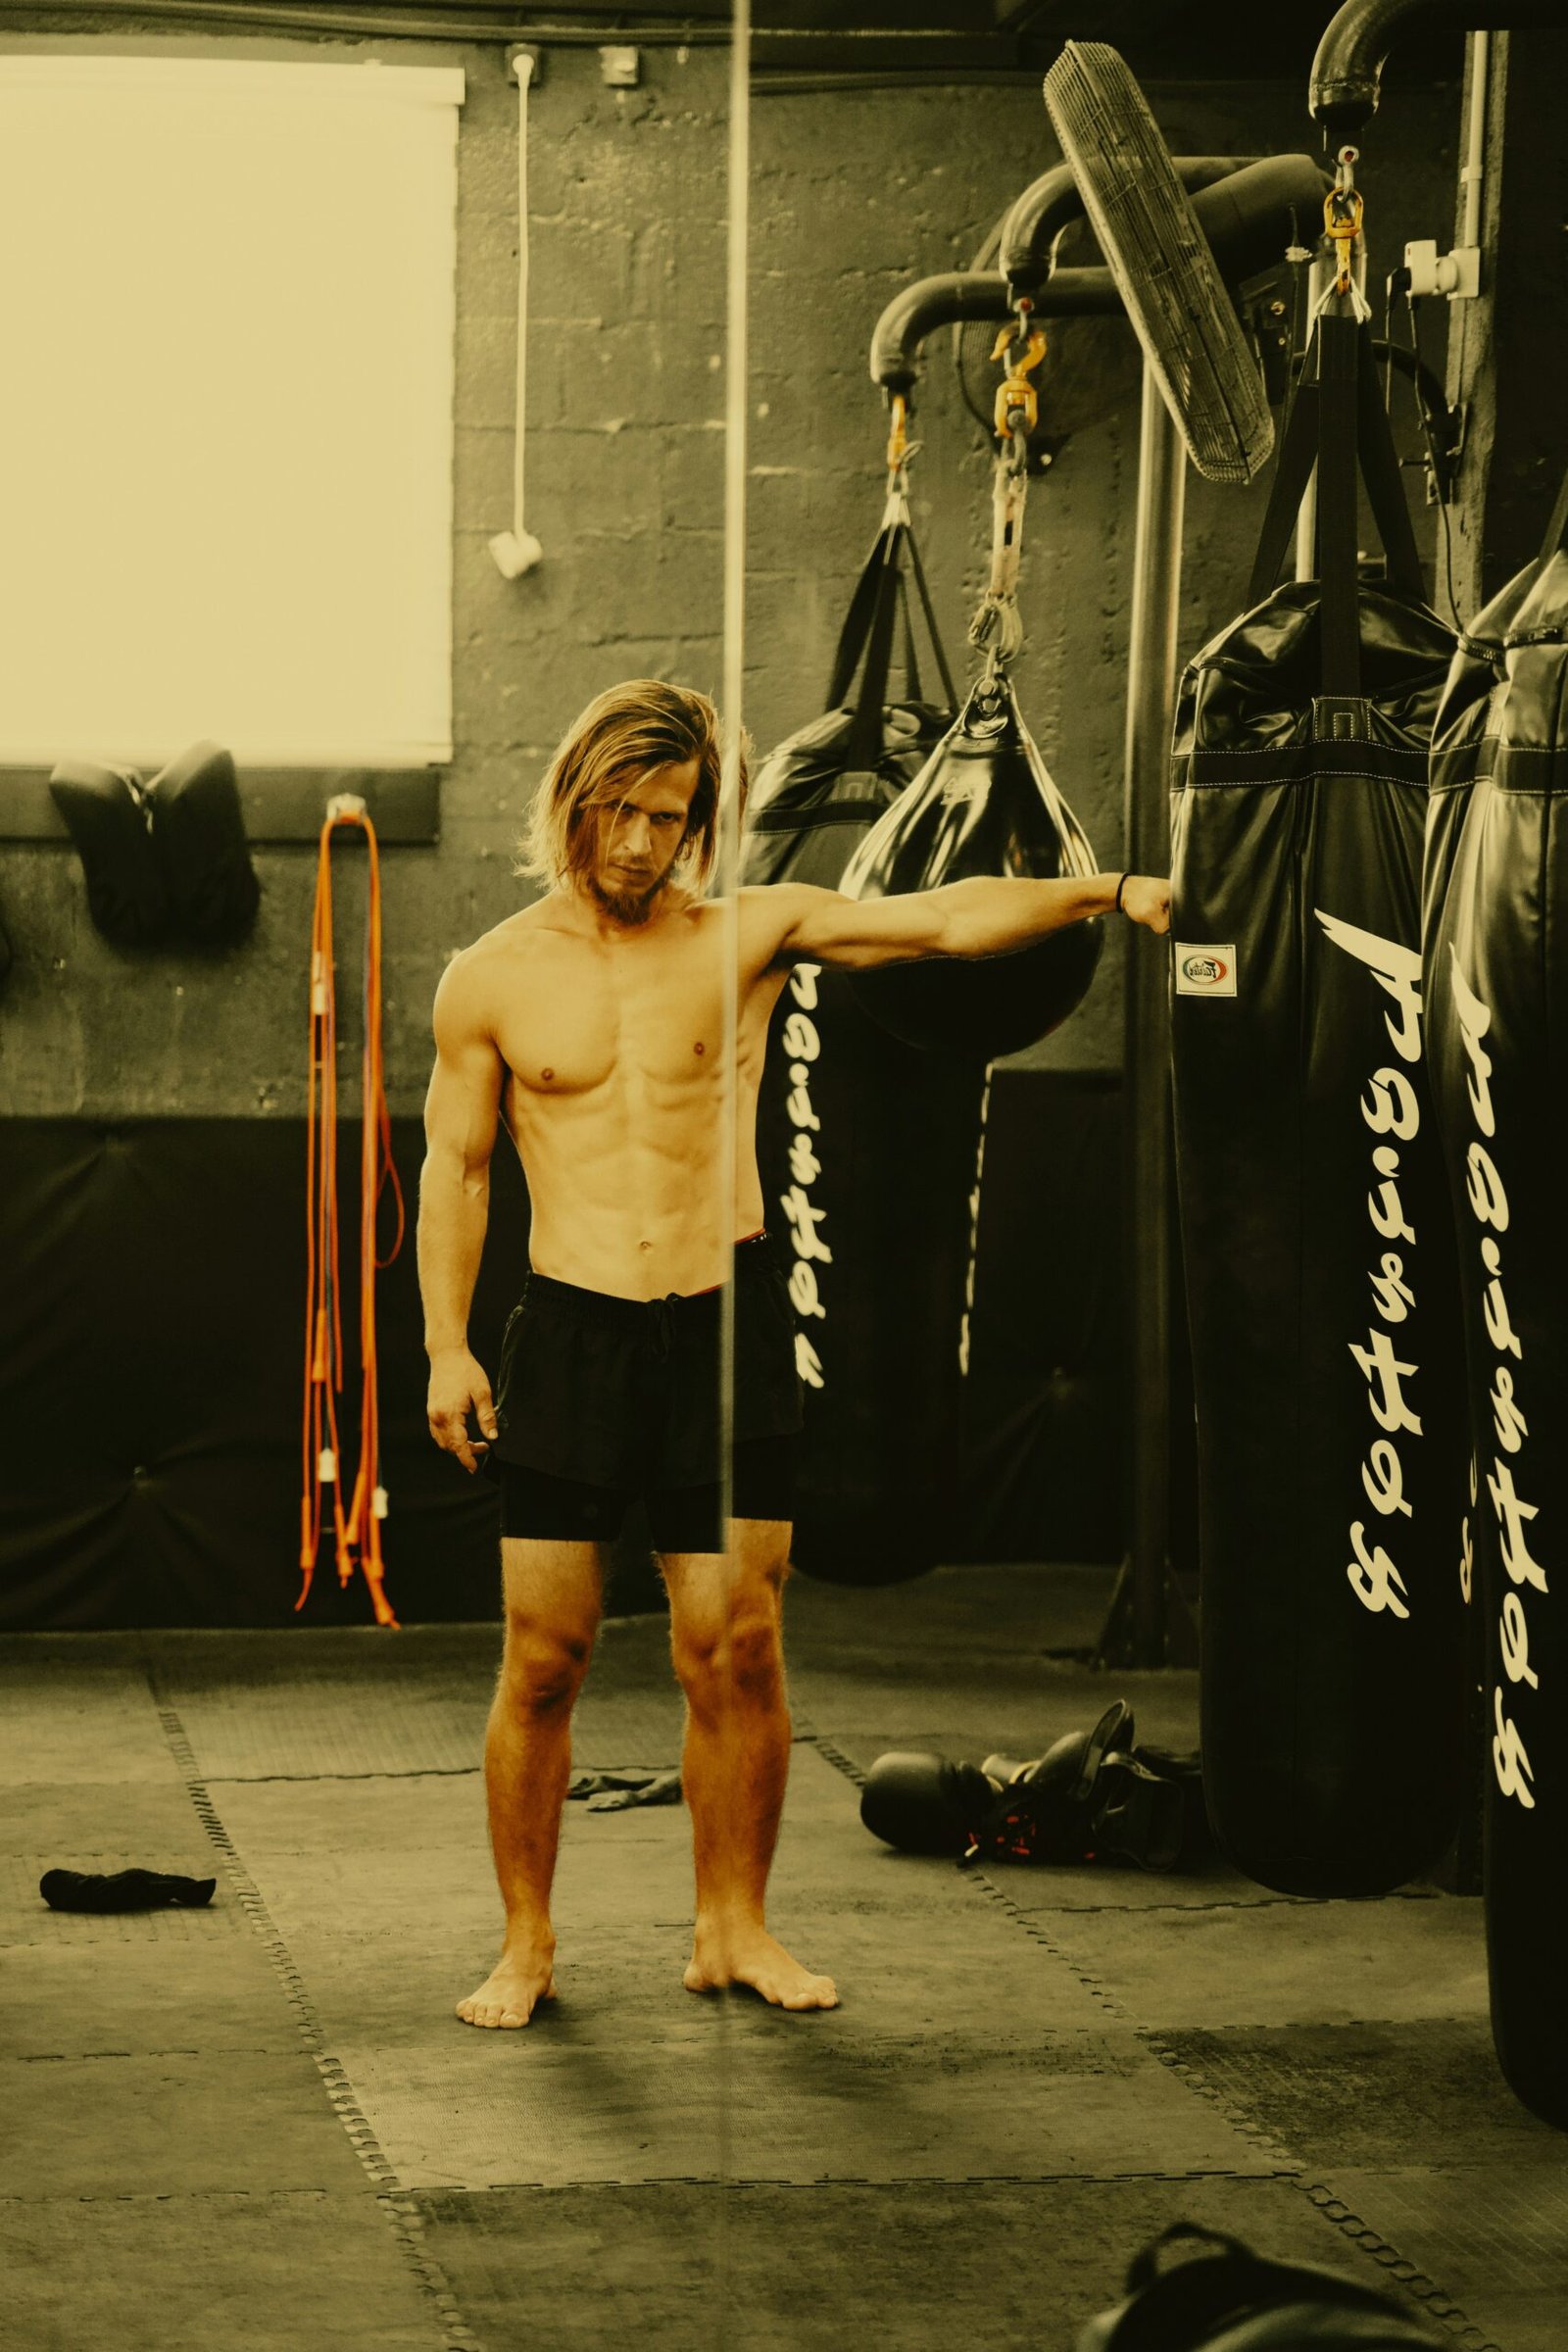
<point x="983" y="916"/>
<point x="462" y="1116"/>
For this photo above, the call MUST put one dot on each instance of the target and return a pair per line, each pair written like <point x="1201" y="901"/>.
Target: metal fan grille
<point x="1161" y="262"/>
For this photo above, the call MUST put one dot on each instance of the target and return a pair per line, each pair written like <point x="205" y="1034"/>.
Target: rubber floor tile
<point x="72" y="1821"/>
<point x="211" y="2273"/>
<point x="1372" y="2094"/>
<point x="994" y="2266"/>
<point x="1286" y="1963"/>
<point x="68" y="2000"/>
<point x="1495" y="2235"/>
<point x="802" y="2101"/>
<point x="160" y="2125"/>
<point x="69" y="1721"/>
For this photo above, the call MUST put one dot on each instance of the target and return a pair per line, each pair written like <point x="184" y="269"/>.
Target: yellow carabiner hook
<point x="1341" y="222"/>
<point x="898" y="432"/>
<point x="1016" y="392"/>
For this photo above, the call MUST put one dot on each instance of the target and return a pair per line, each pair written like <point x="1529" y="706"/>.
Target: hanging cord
<point x="997" y="630"/>
<point x="356" y="1529"/>
<point x="1432" y="460"/>
<point x="1299" y="257"/>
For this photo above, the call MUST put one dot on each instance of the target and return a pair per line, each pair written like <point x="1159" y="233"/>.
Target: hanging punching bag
<point x="983" y="803"/>
<point x="866" y="1147"/>
<point x="1497" y="990"/>
<point x="1316" y="1231"/>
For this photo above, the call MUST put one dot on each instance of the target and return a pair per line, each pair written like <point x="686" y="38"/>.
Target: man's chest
<point x="581" y="1016"/>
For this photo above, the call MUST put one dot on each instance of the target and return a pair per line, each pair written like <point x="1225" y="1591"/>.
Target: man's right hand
<point x="458" y="1384"/>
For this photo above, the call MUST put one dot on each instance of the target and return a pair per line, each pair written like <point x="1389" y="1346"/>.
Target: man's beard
<point x="631" y="908"/>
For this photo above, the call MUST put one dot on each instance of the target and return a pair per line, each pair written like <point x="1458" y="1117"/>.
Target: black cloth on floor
<point x="121" y="1889"/>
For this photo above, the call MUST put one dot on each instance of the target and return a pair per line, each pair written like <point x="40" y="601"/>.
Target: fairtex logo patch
<point x="1206" y="971"/>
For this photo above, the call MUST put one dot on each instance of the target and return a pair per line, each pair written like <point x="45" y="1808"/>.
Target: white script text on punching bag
<point x="1392" y="1110"/>
<point x="1489" y="1203"/>
<point x="803" y="1044"/>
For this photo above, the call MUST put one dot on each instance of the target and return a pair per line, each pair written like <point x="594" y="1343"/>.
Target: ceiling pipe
<point x="1348" y="69"/>
<point x="1041" y="214"/>
<point x="1245" y="216"/>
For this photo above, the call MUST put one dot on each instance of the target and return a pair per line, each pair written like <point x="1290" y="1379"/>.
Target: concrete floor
<point x="261" y="2126"/>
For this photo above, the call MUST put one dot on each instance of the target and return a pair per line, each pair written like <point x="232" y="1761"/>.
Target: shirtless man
<point x="593" y="1023"/>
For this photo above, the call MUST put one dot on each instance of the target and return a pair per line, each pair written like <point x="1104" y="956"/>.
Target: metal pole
<point x="1146" y="1094"/>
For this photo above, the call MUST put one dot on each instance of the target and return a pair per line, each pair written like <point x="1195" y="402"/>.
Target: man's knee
<point x="543" y="1664"/>
<point x="738" y="1656"/>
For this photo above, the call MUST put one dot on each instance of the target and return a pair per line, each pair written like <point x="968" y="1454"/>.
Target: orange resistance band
<point x="358" y="1528"/>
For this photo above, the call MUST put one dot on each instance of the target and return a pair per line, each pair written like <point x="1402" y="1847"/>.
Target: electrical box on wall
<point x="620" y="69"/>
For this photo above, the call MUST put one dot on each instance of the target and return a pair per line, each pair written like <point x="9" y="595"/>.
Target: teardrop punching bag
<point x="984" y="804"/>
<point x="1496" y="991"/>
<point x="1317" y="1232"/>
<point x="866" y="1148"/>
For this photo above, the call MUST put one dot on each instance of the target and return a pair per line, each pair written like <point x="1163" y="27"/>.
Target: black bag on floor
<point x="1496" y="991"/>
<point x="1238" y="2301"/>
<point x="867" y="1148"/>
<point x="1316" y="1231"/>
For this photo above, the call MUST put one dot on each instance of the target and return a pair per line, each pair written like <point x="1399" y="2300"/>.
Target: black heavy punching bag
<point x="1496" y="991"/>
<point x="1316" y="1230"/>
<point x="984" y="804"/>
<point x="866" y="1147"/>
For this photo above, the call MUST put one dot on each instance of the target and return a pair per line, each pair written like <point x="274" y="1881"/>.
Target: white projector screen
<point x="226" y="469"/>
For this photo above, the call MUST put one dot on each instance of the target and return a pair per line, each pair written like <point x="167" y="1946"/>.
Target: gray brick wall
<point x="853" y="194"/>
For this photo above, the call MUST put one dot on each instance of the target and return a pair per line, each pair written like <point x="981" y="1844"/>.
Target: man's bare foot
<point x="509" y="1994"/>
<point x="749" y="1955"/>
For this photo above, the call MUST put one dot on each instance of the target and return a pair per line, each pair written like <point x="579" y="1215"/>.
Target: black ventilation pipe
<point x="1245" y="216"/>
<point x="1348" y="69"/>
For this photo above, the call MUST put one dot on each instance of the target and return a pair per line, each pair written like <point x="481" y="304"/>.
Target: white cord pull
<point x="378" y="1503"/>
<point x="517" y="550"/>
<point x="327" y="1466"/>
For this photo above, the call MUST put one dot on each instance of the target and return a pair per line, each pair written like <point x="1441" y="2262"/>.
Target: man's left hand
<point x="1145" y="900"/>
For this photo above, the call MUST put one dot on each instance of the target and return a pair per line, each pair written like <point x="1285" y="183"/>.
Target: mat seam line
<point x="1436" y="2299"/>
<point x="398" y="2206"/>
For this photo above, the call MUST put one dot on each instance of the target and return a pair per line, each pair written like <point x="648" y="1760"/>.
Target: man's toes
<point x="512" y="2017"/>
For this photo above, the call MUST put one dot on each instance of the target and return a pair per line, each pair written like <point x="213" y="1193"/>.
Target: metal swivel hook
<point x="1017" y="402"/>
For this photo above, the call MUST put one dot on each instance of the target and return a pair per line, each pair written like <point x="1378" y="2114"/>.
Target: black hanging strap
<point x="867" y="637"/>
<point x="1339" y="423"/>
<point x="1338" y="617"/>
<point x="949" y="693"/>
<point x="857" y="619"/>
<point x="1292" y="470"/>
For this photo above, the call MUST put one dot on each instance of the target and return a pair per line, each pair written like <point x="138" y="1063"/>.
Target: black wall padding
<point x="1044" y="1402"/>
<point x="151" y="1346"/>
<point x="150" y="1363"/>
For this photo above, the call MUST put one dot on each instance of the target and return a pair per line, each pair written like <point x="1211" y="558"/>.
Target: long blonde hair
<point x="627" y="732"/>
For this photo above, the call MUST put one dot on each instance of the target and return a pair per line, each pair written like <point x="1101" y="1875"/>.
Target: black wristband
<point x="1120" y="887"/>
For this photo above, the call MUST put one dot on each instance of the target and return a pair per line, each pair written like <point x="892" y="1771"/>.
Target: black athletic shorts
<point x="600" y="1398"/>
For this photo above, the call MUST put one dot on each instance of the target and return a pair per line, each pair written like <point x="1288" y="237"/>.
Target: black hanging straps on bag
<point x="950" y="692"/>
<point x="1293" y="472"/>
<point x="1338" y="423"/>
<point x="1338" y="617"/>
<point x="866" y="639"/>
